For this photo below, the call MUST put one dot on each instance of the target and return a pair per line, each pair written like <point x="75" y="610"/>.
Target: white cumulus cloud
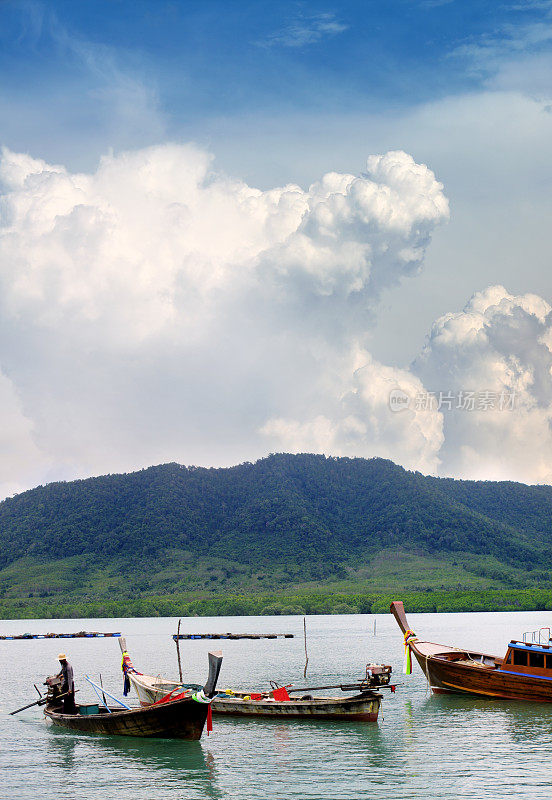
<point x="157" y="309"/>
<point x="476" y="403"/>
<point x="363" y="422"/>
<point x="499" y="348"/>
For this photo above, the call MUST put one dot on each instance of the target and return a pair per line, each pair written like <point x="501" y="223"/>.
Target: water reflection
<point x="488" y="738"/>
<point x="523" y="713"/>
<point x="61" y="750"/>
<point x="423" y="748"/>
<point x="168" y="759"/>
<point x="212" y="786"/>
<point x="521" y="721"/>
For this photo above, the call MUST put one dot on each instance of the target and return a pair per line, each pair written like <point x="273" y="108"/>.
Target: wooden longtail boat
<point x="525" y="672"/>
<point x="181" y="717"/>
<point x="363" y="706"/>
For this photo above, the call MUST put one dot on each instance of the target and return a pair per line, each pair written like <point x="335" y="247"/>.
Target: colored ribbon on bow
<point x="201" y="697"/>
<point x="126" y="667"/>
<point x="409" y="636"/>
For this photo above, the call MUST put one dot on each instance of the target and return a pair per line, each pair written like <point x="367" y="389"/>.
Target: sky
<point x="229" y="229"/>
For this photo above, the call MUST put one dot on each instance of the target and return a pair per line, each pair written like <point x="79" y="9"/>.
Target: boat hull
<point x="360" y="708"/>
<point x="179" y="719"/>
<point x="449" y="678"/>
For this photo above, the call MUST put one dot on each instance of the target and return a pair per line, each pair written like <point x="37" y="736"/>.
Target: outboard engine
<point x="53" y="684"/>
<point x="377" y="675"/>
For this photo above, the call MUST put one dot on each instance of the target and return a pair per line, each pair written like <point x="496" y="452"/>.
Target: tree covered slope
<point x="282" y="507"/>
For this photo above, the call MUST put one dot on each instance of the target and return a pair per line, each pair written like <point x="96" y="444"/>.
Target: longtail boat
<point x="525" y="672"/>
<point x="277" y="703"/>
<point x="180" y="716"/>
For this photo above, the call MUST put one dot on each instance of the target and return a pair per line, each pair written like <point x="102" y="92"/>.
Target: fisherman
<point x="67" y="685"/>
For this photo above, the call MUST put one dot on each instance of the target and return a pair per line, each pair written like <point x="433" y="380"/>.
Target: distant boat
<point x="363" y="706"/>
<point x="181" y="717"/>
<point x="525" y="672"/>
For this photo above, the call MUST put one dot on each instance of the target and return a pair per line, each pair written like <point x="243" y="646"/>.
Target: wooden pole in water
<point x="103" y="695"/>
<point x="306" y="654"/>
<point x="178" y="650"/>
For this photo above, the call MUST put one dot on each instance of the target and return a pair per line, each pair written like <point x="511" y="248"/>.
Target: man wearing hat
<point x="67" y="685"/>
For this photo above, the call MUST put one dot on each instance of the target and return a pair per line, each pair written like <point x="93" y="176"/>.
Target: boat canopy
<point x="531" y="648"/>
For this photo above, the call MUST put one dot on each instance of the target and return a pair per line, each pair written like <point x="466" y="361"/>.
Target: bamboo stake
<point x="306" y="654"/>
<point x="101" y="684"/>
<point x="178" y="650"/>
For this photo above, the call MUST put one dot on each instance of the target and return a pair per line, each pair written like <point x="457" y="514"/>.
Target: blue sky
<point x="194" y="61"/>
<point x="279" y="93"/>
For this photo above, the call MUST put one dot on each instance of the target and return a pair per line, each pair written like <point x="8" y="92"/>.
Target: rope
<point x="409" y="637"/>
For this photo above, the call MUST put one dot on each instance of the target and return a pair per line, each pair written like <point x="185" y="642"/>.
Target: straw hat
<point x="62" y="657"/>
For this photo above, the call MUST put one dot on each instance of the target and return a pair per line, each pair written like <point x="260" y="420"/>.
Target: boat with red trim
<point x="179" y="715"/>
<point x="276" y="702"/>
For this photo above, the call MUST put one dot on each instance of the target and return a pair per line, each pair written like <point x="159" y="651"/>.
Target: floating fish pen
<point x="79" y="635"/>
<point x="178" y="636"/>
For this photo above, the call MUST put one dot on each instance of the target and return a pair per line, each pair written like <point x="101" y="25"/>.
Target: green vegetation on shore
<point x="243" y="605"/>
<point x="287" y="534"/>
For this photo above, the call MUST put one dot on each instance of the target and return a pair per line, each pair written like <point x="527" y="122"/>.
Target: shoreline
<point x="420" y="601"/>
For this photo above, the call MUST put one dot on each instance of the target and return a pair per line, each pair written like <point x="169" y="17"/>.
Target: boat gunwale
<point x="115" y="713"/>
<point x="322" y="701"/>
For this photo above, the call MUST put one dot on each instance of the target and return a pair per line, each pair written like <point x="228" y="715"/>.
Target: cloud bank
<point x="158" y="310"/>
<point x="499" y="344"/>
<point x="360" y="421"/>
<point x="476" y="403"/>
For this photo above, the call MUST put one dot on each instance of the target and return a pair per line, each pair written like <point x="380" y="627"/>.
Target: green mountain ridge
<point x="287" y="525"/>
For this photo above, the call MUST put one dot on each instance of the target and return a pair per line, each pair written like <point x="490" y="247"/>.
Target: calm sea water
<point x="424" y="746"/>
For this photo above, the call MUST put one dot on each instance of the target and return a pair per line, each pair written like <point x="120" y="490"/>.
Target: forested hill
<point x="282" y="521"/>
